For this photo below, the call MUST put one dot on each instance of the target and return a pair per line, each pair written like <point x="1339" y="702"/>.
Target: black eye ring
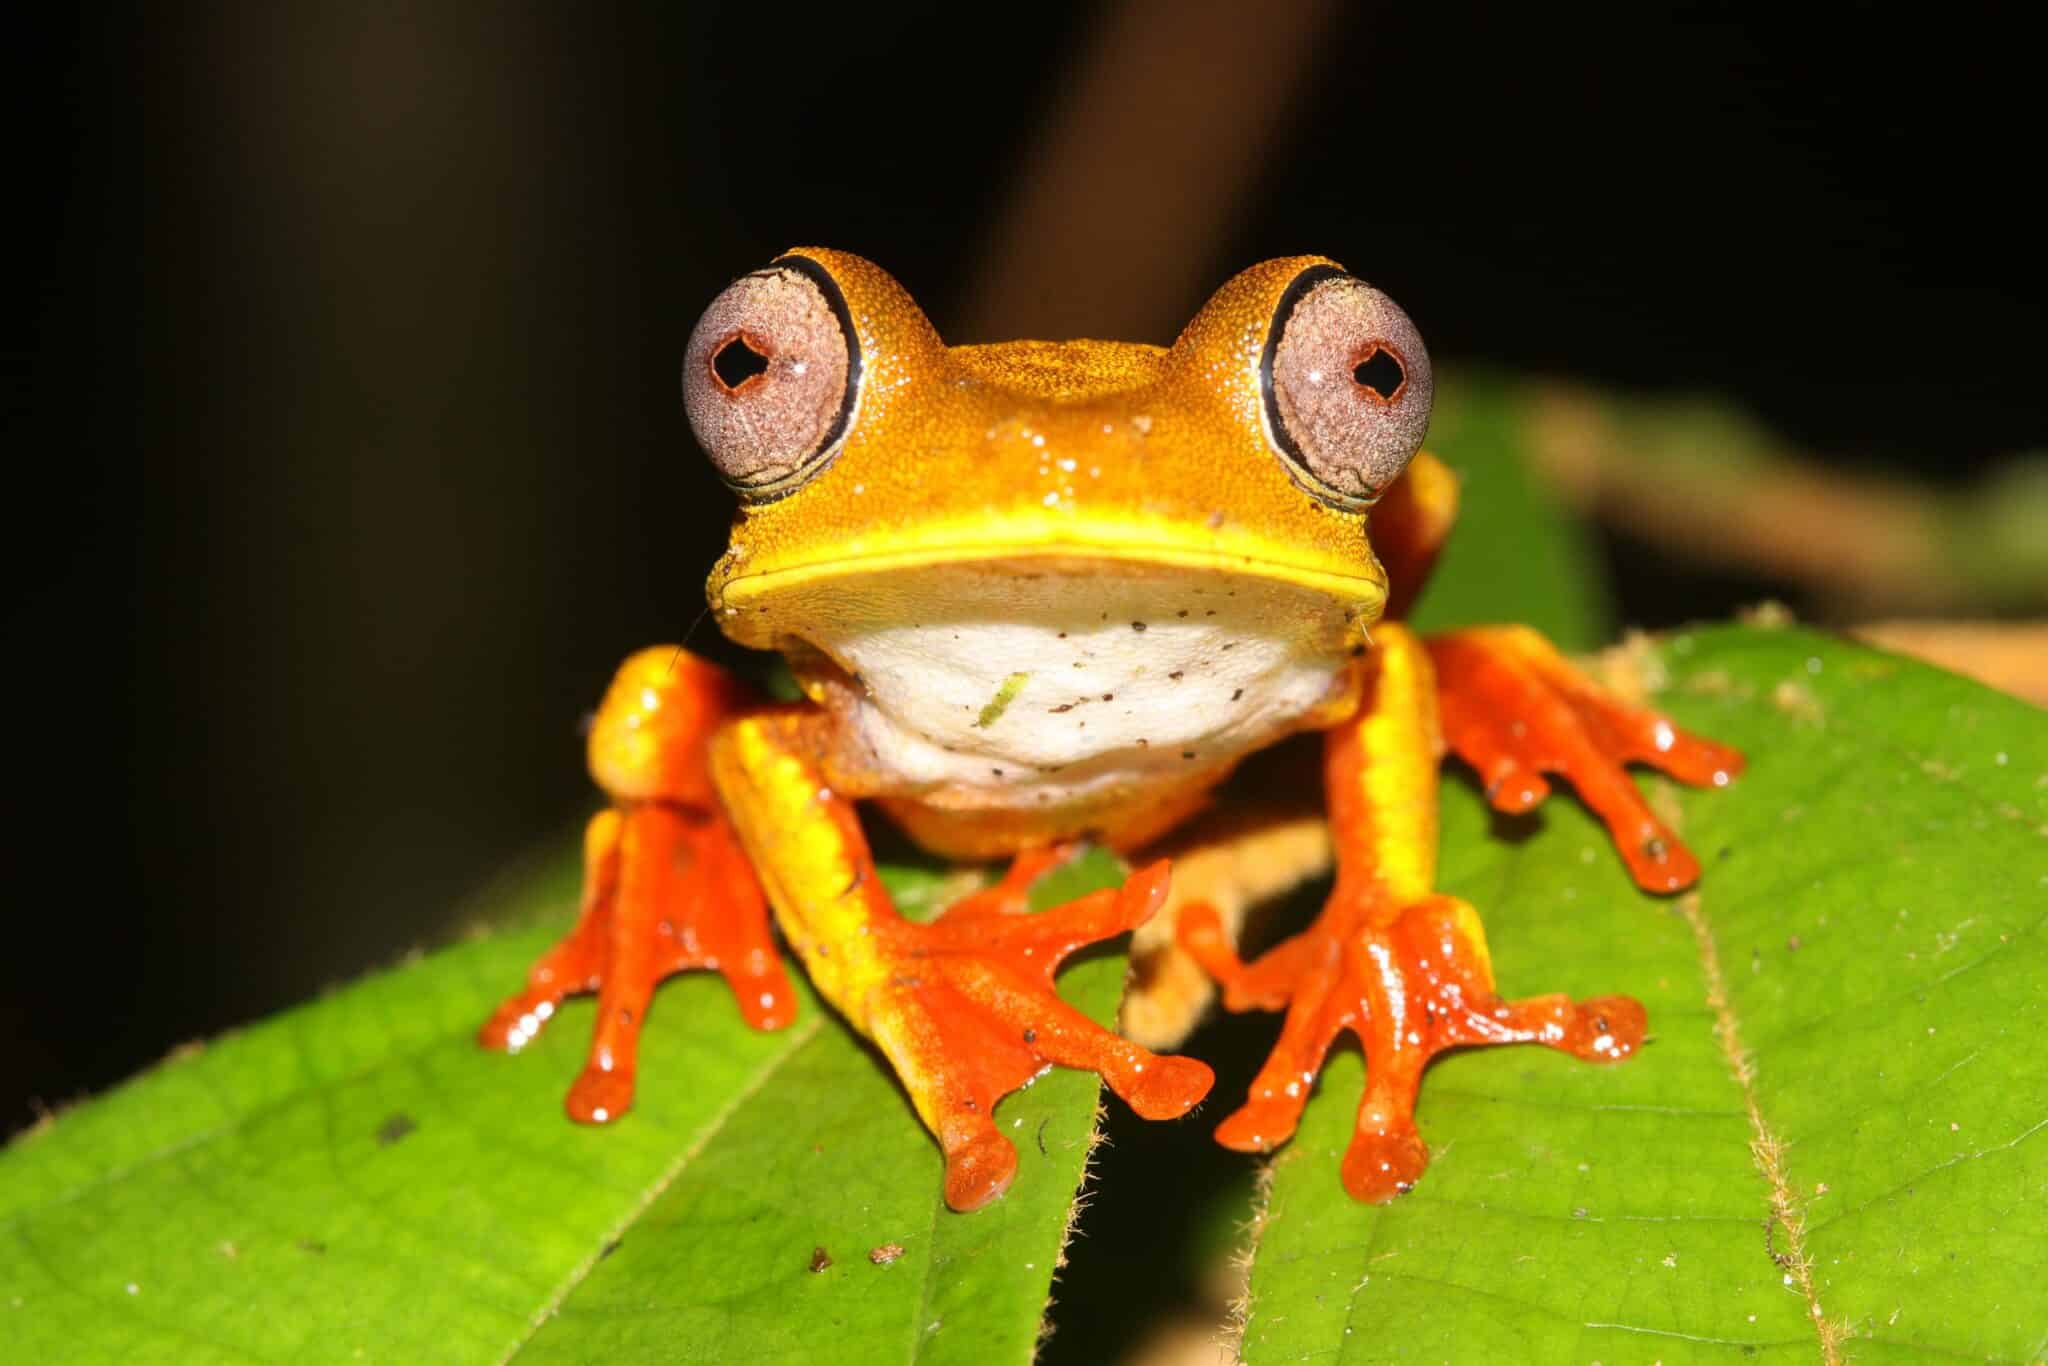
<point x="1346" y="388"/>
<point x="1297" y="461"/>
<point x="855" y="370"/>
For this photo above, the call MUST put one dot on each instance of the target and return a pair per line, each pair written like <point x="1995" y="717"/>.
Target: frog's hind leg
<point x="1244" y="852"/>
<point x="1399" y="965"/>
<point x="964" y="1007"/>
<point x="666" y="886"/>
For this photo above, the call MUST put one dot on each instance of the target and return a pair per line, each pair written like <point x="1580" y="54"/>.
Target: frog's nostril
<point x="1380" y="374"/>
<point x="736" y="362"/>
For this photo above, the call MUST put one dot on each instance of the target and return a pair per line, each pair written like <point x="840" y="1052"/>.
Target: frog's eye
<point x="1347" y="387"/>
<point x="770" y="378"/>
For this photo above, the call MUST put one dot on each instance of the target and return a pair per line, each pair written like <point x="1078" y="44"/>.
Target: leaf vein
<point x="799" y="1035"/>
<point x="1766" y="1148"/>
<point x="1958" y="1160"/>
<point x="924" y="1289"/>
<point x="1910" y="991"/>
<point x="1560" y="1316"/>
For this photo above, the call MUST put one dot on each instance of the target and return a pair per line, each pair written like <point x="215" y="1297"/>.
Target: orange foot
<point x="1409" y="984"/>
<point x="967" y="1012"/>
<point x="664" y="889"/>
<point x="1514" y="710"/>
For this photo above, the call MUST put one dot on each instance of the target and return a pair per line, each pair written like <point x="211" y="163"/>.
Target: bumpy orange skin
<point x="1129" y="457"/>
<point x="1110" y="449"/>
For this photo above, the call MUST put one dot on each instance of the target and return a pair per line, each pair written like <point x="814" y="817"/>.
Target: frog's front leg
<point x="964" y="1007"/>
<point x="665" y="884"/>
<point x="1390" y="959"/>
<point x="1514" y="709"/>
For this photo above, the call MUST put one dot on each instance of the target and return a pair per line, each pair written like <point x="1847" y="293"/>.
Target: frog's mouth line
<point x="1364" y="596"/>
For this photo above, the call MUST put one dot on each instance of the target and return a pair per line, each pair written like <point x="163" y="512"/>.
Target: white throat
<point x="1042" y="688"/>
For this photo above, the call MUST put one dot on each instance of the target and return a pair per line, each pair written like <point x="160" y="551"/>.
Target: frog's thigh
<point x="1233" y="858"/>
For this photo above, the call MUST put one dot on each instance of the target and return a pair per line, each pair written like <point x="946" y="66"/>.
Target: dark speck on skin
<point x="1239" y="693"/>
<point x="1061" y="708"/>
<point x="1176" y="675"/>
<point x="998" y="772"/>
<point x="1230" y="645"/>
<point x="1109" y="697"/>
<point x="1182" y="612"/>
<point x="394" y="1129"/>
<point x="820" y="1259"/>
<point x="1187" y="754"/>
<point x="1137" y="626"/>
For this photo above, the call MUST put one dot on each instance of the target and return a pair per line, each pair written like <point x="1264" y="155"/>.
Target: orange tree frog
<point x="1042" y="593"/>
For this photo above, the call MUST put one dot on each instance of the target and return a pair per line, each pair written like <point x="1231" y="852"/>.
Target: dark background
<point x="344" y="427"/>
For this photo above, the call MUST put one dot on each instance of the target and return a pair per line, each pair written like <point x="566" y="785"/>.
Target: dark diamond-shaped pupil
<point x="1380" y="372"/>
<point x="737" y="362"/>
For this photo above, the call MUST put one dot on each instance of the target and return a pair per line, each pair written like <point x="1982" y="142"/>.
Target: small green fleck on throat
<point x="1000" y="703"/>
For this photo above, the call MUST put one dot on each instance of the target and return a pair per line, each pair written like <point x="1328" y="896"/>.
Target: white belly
<point x="1083" y="684"/>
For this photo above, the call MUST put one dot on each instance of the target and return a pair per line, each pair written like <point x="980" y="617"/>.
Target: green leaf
<point x="1847" y="1019"/>
<point x="1515" y="555"/>
<point x="357" y="1180"/>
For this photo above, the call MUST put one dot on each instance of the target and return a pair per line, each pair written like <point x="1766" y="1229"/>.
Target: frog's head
<point x="884" y="475"/>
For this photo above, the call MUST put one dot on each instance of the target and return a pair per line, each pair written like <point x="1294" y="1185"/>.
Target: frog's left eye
<point x="1347" y="387"/>
<point x="770" y="378"/>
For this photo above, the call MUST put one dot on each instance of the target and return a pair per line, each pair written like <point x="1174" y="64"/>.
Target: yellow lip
<point x="1363" y="594"/>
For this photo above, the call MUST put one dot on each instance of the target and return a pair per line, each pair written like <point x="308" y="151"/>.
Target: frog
<point x="1041" y="595"/>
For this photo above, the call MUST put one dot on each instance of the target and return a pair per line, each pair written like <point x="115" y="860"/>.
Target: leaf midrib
<point x="1781" y="1198"/>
